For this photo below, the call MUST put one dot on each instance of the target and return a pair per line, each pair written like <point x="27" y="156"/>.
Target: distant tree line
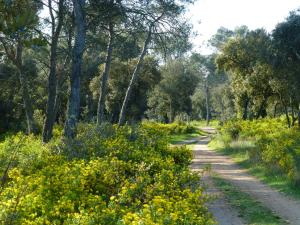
<point x="122" y="61"/>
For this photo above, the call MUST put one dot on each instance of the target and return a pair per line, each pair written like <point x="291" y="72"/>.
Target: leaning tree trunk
<point x="52" y="79"/>
<point x="74" y="98"/>
<point x="104" y="77"/>
<point x="31" y="126"/>
<point x="133" y="78"/>
<point x="62" y="73"/>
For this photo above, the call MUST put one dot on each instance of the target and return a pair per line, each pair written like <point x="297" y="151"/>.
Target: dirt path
<point x="281" y="205"/>
<point x="222" y="211"/>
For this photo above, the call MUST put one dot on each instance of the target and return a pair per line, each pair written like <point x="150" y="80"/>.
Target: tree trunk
<point x="262" y="109"/>
<point x="52" y="79"/>
<point x="287" y="115"/>
<point x="31" y="126"/>
<point x="104" y="77"/>
<point x="172" y="113"/>
<point x="299" y="115"/>
<point x="62" y="73"/>
<point x="89" y="106"/>
<point x="207" y="102"/>
<point x="293" y="116"/>
<point x="275" y="110"/>
<point x="15" y="56"/>
<point x="74" y="98"/>
<point x="245" y="113"/>
<point x="134" y="77"/>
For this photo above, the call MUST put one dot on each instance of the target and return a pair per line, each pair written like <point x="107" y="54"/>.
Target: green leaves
<point x="17" y="17"/>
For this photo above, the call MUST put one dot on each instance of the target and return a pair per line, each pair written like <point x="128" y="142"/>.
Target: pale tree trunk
<point x="275" y="109"/>
<point x="89" y="106"/>
<point x="134" y="77"/>
<point x="74" y="98"/>
<point x="62" y="74"/>
<point x="293" y="116"/>
<point x="207" y="102"/>
<point x="285" y="111"/>
<point x="245" y="113"/>
<point x="287" y="115"/>
<point x="31" y="126"/>
<point x="172" y="113"/>
<point x="15" y="56"/>
<point x="52" y="79"/>
<point x="299" y="115"/>
<point x="104" y="77"/>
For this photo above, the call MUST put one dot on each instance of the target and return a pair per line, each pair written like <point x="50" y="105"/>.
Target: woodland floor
<point x="286" y="208"/>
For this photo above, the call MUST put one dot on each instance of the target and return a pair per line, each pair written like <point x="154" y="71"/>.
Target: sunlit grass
<point x="203" y="123"/>
<point x="249" y="209"/>
<point x="178" y="138"/>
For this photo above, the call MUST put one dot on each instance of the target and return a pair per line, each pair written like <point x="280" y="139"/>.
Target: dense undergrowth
<point x="107" y="175"/>
<point x="176" y="132"/>
<point x="267" y="143"/>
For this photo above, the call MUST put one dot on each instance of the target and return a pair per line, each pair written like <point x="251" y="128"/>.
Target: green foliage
<point x="171" y="97"/>
<point x="247" y="58"/>
<point x="119" y="78"/>
<point x="109" y="175"/>
<point x="276" y="147"/>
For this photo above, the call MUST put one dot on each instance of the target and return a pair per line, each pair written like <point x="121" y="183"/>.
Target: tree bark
<point x="172" y="113"/>
<point x="287" y="115"/>
<point x="262" y="109"/>
<point x="207" y="102"/>
<point x="62" y="73"/>
<point x="74" y="98"/>
<point x="15" y="56"/>
<point x="294" y="118"/>
<point x="52" y="79"/>
<point x="134" y="77"/>
<point x="275" y="109"/>
<point x="31" y="126"/>
<point x="299" y="115"/>
<point x="245" y="113"/>
<point x="104" y="77"/>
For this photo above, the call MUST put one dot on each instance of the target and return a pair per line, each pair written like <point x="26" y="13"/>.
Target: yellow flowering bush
<point x="276" y="147"/>
<point x="172" y="128"/>
<point x="108" y="175"/>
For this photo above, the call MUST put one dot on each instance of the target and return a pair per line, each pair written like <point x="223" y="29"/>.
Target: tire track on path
<point x="224" y="166"/>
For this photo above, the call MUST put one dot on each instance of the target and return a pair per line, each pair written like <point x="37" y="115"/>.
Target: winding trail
<point x="285" y="207"/>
